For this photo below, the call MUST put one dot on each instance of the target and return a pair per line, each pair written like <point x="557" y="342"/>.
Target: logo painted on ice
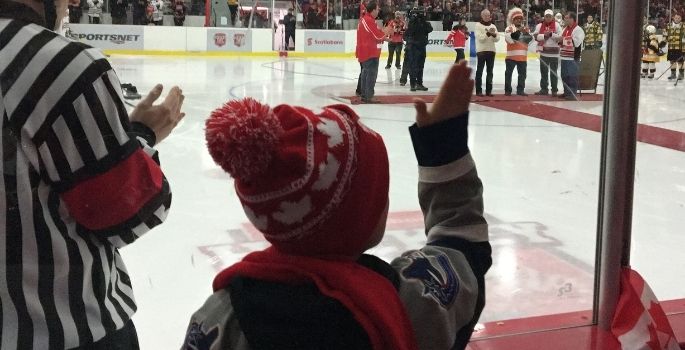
<point x="439" y="280"/>
<point x="220" y="39"/>
<point x="239" y="39"/>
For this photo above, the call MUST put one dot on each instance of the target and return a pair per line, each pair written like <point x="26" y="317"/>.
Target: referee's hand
<point x="161" y="118"/>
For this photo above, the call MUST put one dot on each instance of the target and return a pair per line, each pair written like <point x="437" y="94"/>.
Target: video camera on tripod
<point x="417" y="14"/>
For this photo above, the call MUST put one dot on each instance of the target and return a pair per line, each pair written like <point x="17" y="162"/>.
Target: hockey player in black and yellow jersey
<point x="675" y="46"/>
<point x="651" y="51"/>
<point x="593" y="34"/>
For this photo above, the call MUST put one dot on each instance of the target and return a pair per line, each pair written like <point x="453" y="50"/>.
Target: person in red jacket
<point x="457" y="40"/>
<point x="396" y="26"/>
<point x="369" y="42"/>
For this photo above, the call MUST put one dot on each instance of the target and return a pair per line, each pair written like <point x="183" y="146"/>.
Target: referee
<point x="80" y="179"/>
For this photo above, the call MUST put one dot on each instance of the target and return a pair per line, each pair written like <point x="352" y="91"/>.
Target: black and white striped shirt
<point x="77" y="183"/>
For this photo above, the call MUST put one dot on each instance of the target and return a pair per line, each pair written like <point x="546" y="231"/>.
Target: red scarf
<point x="544" y="27"/>
<point x="569" y="30"/>
<point x="370" y="297"/>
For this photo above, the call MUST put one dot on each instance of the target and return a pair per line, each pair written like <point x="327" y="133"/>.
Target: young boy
<point x="316" y="186"/>
<point x="457" y="40"/>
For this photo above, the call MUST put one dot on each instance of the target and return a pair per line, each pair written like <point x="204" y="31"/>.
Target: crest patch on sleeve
<point x="437" y="275"/>
<point x="198" y="339"/>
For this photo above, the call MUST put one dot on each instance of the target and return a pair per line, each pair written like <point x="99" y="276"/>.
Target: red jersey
<point x="397" y="26"/>
<point x="369" y="39"/>
<point x="456" y="39"/>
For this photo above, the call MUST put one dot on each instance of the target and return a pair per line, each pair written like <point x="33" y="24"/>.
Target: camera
<point x="417" y="13"/>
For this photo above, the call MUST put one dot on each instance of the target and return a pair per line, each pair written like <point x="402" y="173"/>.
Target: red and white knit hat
<point x="312" y="184"/>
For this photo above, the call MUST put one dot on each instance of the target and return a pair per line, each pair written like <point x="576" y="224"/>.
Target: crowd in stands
<point x="143" y="12"/>
<point x="659" y="13"/>
<point x="318" y="14"/>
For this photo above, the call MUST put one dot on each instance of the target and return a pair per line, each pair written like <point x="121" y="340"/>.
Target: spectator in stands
<point x="289" y="22"/>
<point x="180" y="11"/>
<point x="233" y="9"/>
<point x="157" y="12"/>
<point x="396" y="25"/>
<point x="94" y="11"/>
<point x="75" y="11"/>
<point x="119" y="11"/>
<point x="245" y="18"/>
<point x="314" y="17"/>
<point x="435" y="12"/>
<point x="386" y="13"/>
<point x="331" y="18"/>
<point x="486" y="37"/>
<point x="139" y="12"/>
<point x="447" y="17"/>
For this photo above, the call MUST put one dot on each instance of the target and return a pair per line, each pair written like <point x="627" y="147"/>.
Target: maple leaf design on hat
<point x="331" y="129"/>
<point x="292" y="212"/>
<point x="261" y="222"/>
<point x="328" y="172"/>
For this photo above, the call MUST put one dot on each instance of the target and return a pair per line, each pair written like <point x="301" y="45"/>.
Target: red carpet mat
<point x="398" y="99"/>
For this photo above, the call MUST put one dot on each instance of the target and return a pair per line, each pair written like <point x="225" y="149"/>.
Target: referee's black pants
<point x="125" y="338"/>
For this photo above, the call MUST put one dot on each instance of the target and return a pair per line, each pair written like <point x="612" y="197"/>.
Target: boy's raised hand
<point x="453" y="98"/>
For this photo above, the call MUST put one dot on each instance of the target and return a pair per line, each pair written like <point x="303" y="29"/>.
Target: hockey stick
<point x="670" y="67"/>
<point x="563" y="84"/>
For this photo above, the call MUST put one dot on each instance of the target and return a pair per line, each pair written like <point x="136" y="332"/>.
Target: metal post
<point x="617" y="171"/>
<point x="273" y="20"/>
<point x="327" y="4"/>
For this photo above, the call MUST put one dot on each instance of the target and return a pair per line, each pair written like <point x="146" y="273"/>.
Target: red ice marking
<point x="652" y="135"/>
<point x="252" y="231"/>
<point x="399" y="99"/>
<point x="567" y="331"/>
<point x="529" y="106"/>
<point x="405" y="220"/>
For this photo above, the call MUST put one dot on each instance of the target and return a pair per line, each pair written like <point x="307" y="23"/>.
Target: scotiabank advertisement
<point x="107" y="37"/>
<point x="228" y="40"/>
<point x="324" y="41"/>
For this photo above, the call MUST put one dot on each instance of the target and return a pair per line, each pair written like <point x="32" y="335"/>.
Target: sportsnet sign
<point x="106" y="37"/>
<point x="228" y="40"/>
<point x="324" y="41"/>
<point x="436" y="42"/>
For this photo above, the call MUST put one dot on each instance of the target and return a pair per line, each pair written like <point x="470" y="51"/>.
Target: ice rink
<point x="539" y="162"/>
